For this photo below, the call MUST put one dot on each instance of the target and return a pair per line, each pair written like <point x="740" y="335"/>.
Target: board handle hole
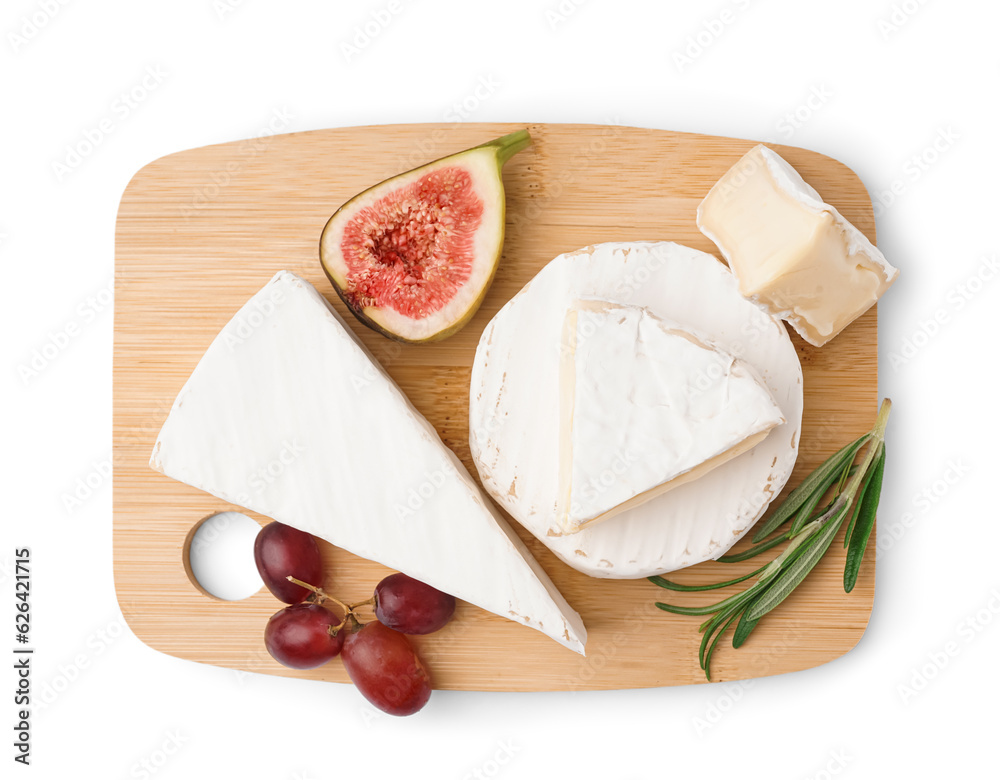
<point x="218" y="556"/>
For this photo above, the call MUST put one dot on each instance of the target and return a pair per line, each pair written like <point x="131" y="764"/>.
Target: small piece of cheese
<point x="791" y="252"/>
<point x="646" y="406"/>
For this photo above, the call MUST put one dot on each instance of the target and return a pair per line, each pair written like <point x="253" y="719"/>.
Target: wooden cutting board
<point x="199" y="232"/>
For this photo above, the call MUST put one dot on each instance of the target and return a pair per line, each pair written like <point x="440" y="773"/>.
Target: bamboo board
<point x="199" y="232"/>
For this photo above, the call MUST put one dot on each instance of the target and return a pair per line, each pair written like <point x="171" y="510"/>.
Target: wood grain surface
<point x="199" y="232"/>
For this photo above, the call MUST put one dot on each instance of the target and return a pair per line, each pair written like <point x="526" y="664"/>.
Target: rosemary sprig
<point x="809" y="537"/>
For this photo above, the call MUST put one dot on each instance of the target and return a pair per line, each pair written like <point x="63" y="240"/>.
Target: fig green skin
<point x="504" y="148"/>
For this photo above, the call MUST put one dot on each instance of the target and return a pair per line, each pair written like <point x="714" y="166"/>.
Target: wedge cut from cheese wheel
<point x="286" y="382"/>
<point x="792" y="253"/>
<point x="646" y="406"/>
<point x="514" y="402"/>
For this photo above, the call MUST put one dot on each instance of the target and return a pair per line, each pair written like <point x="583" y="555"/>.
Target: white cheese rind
<point x="513" y="413"/>
<point x="288" y="415"/>
<point x="804" y="263"/>
<point x="646" y="402"/>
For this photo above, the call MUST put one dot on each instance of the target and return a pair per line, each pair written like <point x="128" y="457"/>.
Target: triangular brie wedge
<point x="288" y="415"/>
<point x="646" y="406"/>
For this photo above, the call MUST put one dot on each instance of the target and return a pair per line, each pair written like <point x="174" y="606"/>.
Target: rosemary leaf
<point x="743" y="629"/>
<point x="738" y="604"/>
<point x="797" y="571"/>
<point x="711" y="625"/>
<point x="867" y="505"/>
<point x="847" y="474"/>
<point x="707" y="630"/>
<point x="809" y="485"/>
<point x="706" y="664"/>
<point x="757" y="549"/>
<point x="804" y="514"/>
<point x="802" y="540"/>
<point x="861" y="493"/>
<point x="696" y="588"/>
<point x="710" y="608"/>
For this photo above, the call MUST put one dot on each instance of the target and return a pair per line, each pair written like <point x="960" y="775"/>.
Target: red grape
<point x="298" y="636"/>
<point x="411" y="606"/>
<point x="384" y="667"/>
<point x="279" y="551"/>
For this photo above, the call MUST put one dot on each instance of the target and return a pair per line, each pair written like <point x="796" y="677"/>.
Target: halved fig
<point x="412" y="257"/>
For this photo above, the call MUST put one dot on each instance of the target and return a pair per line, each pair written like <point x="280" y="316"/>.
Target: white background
<point x="886" y="81"/>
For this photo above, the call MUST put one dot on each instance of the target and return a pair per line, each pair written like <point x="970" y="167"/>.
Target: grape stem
<point x="372" y="602"/>
<point x="323" y="596"/>
<point x="349" y="609"/>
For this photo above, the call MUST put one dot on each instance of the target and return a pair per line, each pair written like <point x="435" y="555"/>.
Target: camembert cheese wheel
<point x="515" y="424"/>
